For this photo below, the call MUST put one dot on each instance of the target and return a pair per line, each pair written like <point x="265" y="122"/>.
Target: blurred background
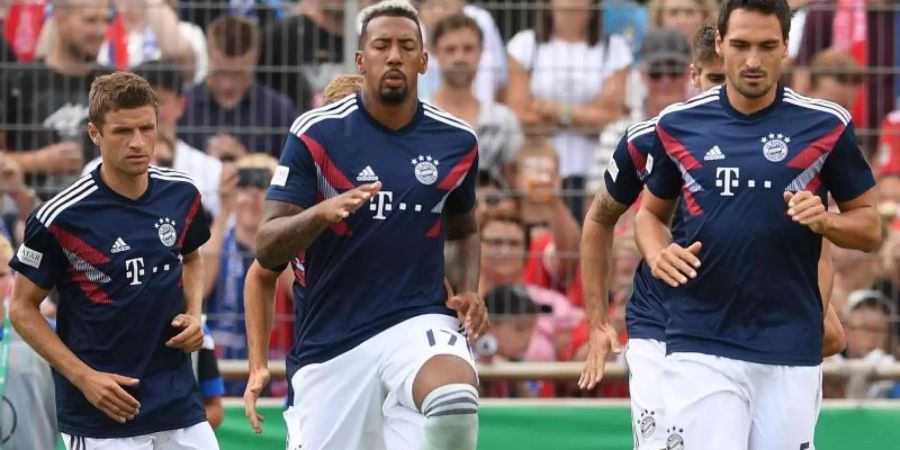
<point x="549" y="86"/>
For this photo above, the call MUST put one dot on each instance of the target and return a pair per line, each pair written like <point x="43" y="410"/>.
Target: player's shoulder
<point x="821" y="109"/>
<point x="66" y="201"/>
<point x="679" y="110"/>
<point x="448" y="122"/>
<point x="641" y="128"/>
<point x="324" y="116"/>
<point x="173" y="178"/>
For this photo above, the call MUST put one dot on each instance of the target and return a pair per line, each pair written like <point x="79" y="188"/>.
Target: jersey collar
<point x="726" y="105"/>
<point x="417" y="117"/>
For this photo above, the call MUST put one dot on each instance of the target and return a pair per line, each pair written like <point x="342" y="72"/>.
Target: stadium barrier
<point x="562" y="371"/>
<point x="585" y="425"/>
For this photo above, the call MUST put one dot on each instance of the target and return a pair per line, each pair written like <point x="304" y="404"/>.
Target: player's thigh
<point x="645" y="358"/>
<point x="84" y="443"/>
<point x="706" y="403"/>
<point x="403" y="427"/>
<point x="786" y="408"/>
<point x="337" y="404"/>
<point x="196" y="437"/>
<point x="411" y="344"/>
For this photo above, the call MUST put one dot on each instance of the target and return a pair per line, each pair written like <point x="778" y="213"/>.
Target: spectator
<point x="28" y="409"/>
<point x="457" y="43"/>
<point x="171" y="151"/>
<point x="567" y="78"/>
<point x="311" y="40"/>
<point x="835" y="76"/>
<point x="503" y="258"/>
<point x="230" y="250"/>
<point x="830" y="25"/>
<point x="887" y="160"/>
<point x="43" y="105"/>
<point x="868" y="339"/>
<point x="147" y="30"/>
<point x="514" y="320"/>
<point x="230" y="99"/>
<point x="665" y="59"/>
<point x="553" y="231"/>
<point x="683" y="16"/>
<point x="492" y="74"/>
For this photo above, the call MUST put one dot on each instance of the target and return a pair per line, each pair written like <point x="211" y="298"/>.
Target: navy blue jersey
<point x="117" y="265"/>
<point x="645" y="316"/>
<point x="756" y="297"/>
<point x="385" y="262"/>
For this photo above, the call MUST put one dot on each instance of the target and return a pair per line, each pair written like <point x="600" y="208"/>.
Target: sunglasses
<point x="671" y="73"/>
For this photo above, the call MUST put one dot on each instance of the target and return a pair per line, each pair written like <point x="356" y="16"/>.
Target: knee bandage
<point x="451" y="418"/>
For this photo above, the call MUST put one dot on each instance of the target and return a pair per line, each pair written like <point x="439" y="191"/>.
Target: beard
<point x="458" y="75"/>
<point x="81" y="54"/>
<point x="753" y="91"/>
<point x="393" y="96"/>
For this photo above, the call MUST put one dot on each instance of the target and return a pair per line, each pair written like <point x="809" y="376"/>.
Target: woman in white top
<point x="566" y="77"/>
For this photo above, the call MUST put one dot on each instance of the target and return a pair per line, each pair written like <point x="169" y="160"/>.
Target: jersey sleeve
<point x="294" y="180"/>
<point x="622" y="180"/>
<point x="664" y="179"/>
<point x="39" y="258"/>
<point x="198" y="228"/>
<point x="846" y="174"/>
<point x="462" y="199"/>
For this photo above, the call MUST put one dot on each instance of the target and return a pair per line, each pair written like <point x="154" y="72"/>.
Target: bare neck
<point x="66" y="64"/>
<point x="570" y="32"/>
<point x="394" y="117"/>
<point x="452" y="98"/>
<point x="747" y="105"/>
<point x="126" y="185"/>
<point x="246" y="235"/>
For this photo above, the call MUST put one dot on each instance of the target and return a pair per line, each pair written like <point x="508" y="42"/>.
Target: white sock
<point x="451" y="418"/>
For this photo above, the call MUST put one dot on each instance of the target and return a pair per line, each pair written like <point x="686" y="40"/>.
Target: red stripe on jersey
<point x="92" y="290"/>
<point x="80" y="248"/>
<point x="817" y="148"/>
<point x="329" y="170"/>
<point x="435" y="230"/>
<point x="694" y="208"/>
<point x="459" y="170"/>
<point x="677" y="150"/>
<point x="638" y="158"/>
<point x="341" y="229"/>
<point x="192" y="213"/>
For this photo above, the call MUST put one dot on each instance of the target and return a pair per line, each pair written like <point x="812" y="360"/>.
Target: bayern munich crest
<point x="426" y="169"/>
<point x="675" y="441"/>
<point x="775" y="147"/>
<point x="647" y="424"/>
<point x="166" y="229"/>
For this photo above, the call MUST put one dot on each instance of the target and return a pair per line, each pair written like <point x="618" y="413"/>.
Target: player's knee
<point x="451" y="418"/>
<point x="441" y="370"/>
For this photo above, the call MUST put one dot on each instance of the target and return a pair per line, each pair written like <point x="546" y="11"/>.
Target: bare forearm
<point x="858" y="229"/>
<point x="259" y="300"/>
<point x="651" y="234"/>
<point x="192" y="275"/>
<point x="34" y="329"/>
<point x="282" y="238"/>
<point x="596" y="249"/>
<point x="826" y="274"/>
<point x="469" y="262"/>
<point x="164" y="22"/>
<point x="566" y="238"/>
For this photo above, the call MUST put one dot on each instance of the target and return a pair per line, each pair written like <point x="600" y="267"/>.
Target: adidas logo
<point x="714" y="154"/>
<point x="120" y="246"/>
<point x="367" y="175"/>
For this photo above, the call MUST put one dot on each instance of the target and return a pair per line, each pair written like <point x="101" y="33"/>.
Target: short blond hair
<point x="257" y="161"/>
<point x="342" y="86"/>
<point x="119" y="90"/>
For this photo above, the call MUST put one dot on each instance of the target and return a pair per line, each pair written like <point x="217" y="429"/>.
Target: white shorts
<point x="715" y="403"/>
<point x="196" y="437"/>
<point x="362" y="399"/>
<point x="645" y="359"/>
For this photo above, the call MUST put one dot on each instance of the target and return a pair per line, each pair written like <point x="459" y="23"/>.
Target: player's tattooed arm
<point x="288" y="229"/>
<point x="596" y="249"/>
<point x="463" y="228"/>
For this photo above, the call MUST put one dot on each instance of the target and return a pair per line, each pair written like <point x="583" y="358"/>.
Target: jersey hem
<point x="130" y="432"/>
<point x="682" y="345"/>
